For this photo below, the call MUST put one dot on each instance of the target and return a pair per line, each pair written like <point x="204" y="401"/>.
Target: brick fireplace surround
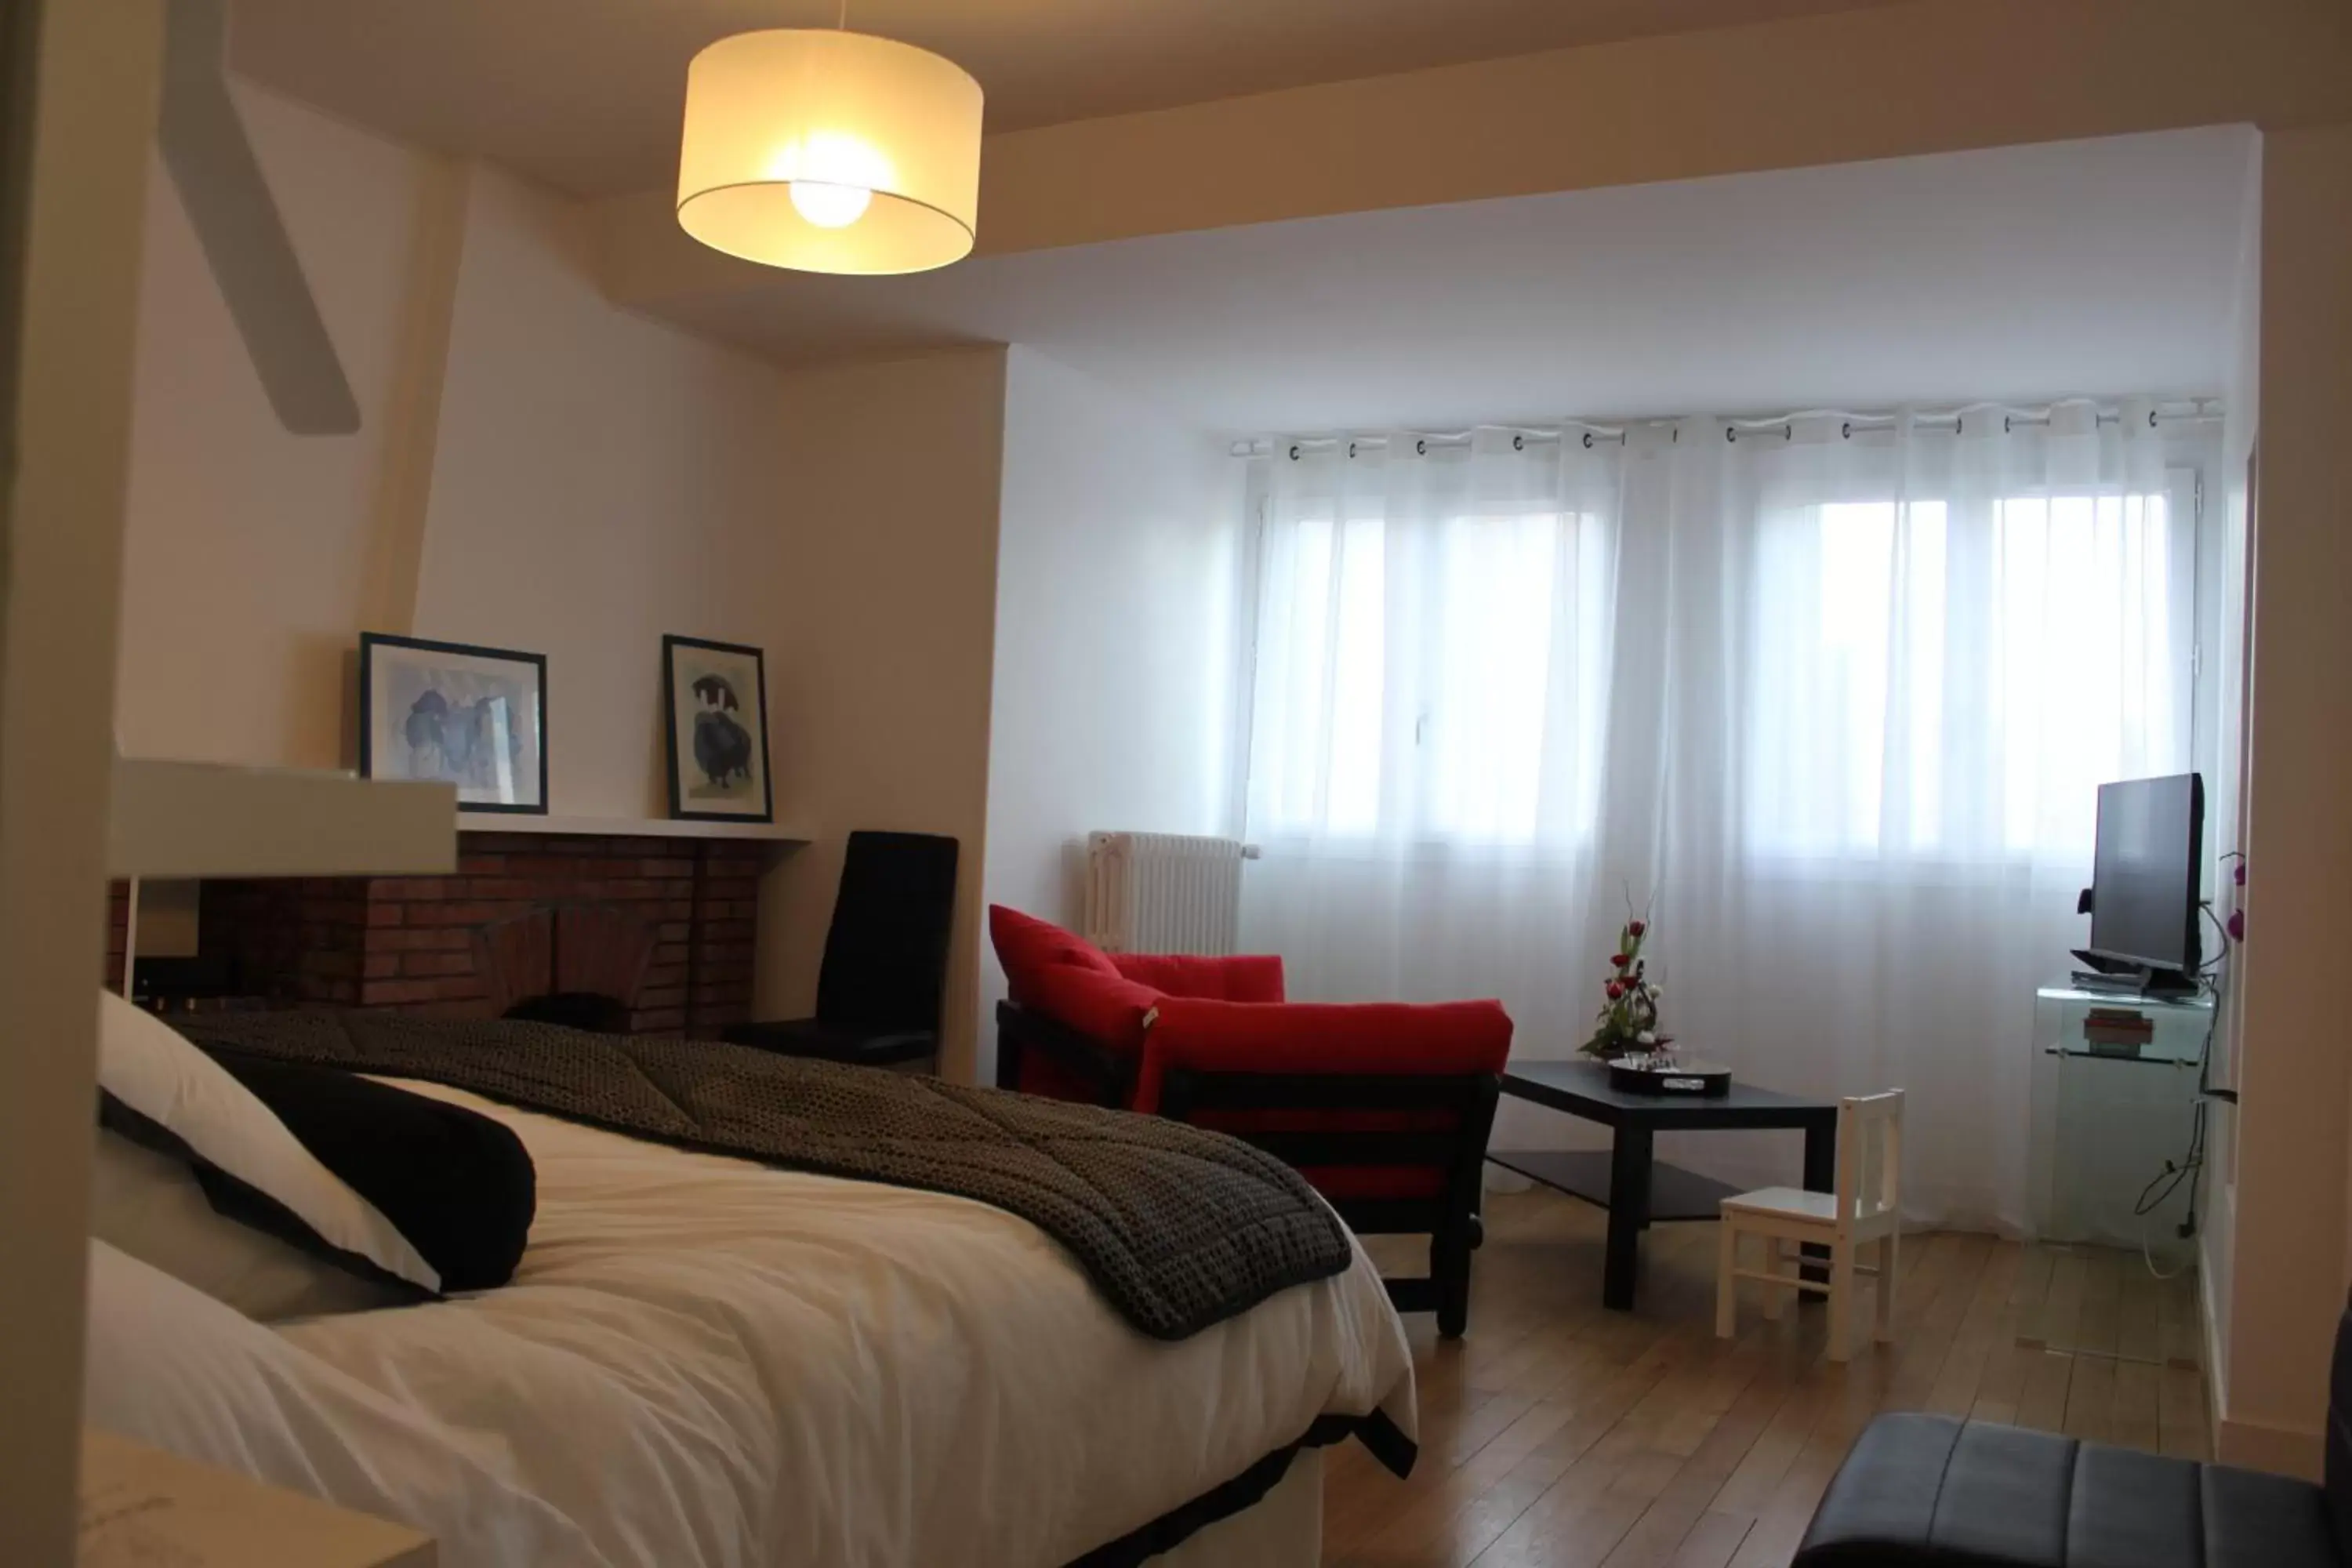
<point x="424" y="944"/>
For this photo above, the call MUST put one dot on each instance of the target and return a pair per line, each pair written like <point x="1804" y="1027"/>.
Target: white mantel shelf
<point x="180" y="820"/>
<point x="632" y="826"/>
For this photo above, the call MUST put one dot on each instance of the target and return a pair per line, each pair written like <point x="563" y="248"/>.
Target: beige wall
<point x="1115" y="585"/>
<point x="242" y="578"/>
<point x="880" y="621"/>
<point x="577" y="480"/>
<point x="72" y="150"/>
<point x="587" y="479"/>
<point x="2294" y="1067"/>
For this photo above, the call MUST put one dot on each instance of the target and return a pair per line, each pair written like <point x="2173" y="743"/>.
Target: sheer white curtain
<point x="1831" y="702"/>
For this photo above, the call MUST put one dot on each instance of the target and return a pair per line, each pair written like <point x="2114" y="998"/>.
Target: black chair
<point x="880" y="992"/>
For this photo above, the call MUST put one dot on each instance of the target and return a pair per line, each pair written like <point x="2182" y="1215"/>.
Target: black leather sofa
<point x="1921" y="1490"/>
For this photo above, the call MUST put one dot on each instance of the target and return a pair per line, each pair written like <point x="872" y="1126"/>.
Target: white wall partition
<point x="1113" y="674"/>
<point x="881" y="575"/>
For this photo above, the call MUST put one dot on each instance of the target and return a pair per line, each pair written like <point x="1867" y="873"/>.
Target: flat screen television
<point x="2145" y="881"/>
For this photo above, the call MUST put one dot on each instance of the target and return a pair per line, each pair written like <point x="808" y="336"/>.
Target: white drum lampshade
<point x="830" y="152"/>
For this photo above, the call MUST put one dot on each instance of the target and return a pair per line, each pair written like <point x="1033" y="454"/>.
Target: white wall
<point x="881" y="610"/>
<point x="2289" y="1245"/>
<point x="1115" y="586"/>
<point x="592" y="480"/>
<point x="2224" y="676"/>
<point x="598" y="480"/>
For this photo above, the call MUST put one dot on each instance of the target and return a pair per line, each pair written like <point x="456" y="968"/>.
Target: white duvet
<point x="702" y="1361"/>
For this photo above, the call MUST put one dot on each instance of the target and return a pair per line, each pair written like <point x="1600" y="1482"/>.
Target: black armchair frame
<point x="1450" y="1218"/>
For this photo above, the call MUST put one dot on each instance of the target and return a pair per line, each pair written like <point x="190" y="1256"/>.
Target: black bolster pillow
<point x="458" y="1185"/>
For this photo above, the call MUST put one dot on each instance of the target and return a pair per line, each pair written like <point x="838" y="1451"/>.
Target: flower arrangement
<point x="1628" y="1020"/>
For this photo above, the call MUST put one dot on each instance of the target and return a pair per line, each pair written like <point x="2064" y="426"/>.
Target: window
<point x="1436" y="681"/>
<point x="1957" y="687"/>
<point x="1905" y="652"/>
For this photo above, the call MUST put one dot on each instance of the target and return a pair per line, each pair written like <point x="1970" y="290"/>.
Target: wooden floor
<point x="1563" y="1435"/>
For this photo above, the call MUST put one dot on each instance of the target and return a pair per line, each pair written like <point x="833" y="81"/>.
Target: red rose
<point x="1616" y="991"/>
<point x="1619" y="960"/>
<point x="1638" y="927"/>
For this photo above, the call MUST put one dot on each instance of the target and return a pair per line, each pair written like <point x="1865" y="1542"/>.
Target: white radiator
<point x="1164" y="892"/>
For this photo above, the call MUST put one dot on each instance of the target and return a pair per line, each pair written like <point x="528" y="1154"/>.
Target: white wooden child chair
<point x="1865" y="1210"/>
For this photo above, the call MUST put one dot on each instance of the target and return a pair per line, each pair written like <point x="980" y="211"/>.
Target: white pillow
<point x="180" y="1099"/>
<point x="170" y="1367"/>
<point x="149" y="1204"/>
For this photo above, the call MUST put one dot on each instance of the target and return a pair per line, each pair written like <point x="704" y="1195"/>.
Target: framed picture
<point x="474" y="716"/>
<point x="718" y="707"/>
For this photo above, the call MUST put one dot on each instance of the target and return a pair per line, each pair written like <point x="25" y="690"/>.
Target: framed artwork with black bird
<point x="716" y="704"/>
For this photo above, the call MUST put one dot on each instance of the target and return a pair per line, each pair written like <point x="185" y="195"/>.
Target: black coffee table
<point x="1626" y="1181"/>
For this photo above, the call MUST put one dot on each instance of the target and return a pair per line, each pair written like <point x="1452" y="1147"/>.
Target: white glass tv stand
<point x="2115" y="1095"/>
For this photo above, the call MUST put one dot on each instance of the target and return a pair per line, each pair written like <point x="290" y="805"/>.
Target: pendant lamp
<point x="830" y="152"/>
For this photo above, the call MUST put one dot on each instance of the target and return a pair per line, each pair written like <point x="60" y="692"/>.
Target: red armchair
<point x="1383" y="1106"/>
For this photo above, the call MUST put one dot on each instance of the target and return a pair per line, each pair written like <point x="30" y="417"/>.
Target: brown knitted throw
<point x="1178" y="1226"/>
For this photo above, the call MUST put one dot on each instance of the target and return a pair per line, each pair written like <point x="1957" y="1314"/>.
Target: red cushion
<point x="1248" y="977"/>
<point x="1445" y="1038"/>
<point x="1028" y="947"/>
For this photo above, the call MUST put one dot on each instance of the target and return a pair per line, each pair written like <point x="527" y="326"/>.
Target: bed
<point x="704" y="1362"/>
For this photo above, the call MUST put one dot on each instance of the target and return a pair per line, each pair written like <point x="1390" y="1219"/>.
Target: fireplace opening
<point x="590" y="1010"/>
<point x="579" y="964"/>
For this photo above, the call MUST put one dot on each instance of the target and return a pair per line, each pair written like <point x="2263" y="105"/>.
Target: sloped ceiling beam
<point x="411" y="416"/>
<point x="1842" y="87"/>
<point x="244" y="239"/>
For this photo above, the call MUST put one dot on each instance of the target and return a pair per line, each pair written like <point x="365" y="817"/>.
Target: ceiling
<point x="2102" y="268"/>
<point x="586" y="95"/>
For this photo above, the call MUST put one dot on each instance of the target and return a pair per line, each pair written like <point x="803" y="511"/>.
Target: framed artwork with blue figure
<point x="718" y="707"/>
<point x="474" y="716"/>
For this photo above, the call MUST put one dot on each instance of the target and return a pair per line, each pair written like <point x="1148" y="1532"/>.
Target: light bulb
<point x="830" y="205"/>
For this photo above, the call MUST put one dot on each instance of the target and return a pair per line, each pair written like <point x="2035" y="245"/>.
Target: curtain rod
<point x="2185" y="411"/>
